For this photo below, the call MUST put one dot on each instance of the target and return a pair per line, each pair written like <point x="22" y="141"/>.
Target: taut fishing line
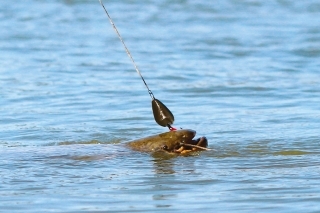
<point x="127" y="50"/>
<point x="161" y="113"/>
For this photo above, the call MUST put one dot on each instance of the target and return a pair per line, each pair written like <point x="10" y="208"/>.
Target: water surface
<point x="245" y="74"/>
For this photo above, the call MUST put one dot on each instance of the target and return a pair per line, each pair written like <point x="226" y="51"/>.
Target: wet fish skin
<point x="167" y="141"/>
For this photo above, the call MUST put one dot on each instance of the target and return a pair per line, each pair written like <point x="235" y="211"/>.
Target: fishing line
<point x="127" y="50"/>
<point x="162" y="115"/>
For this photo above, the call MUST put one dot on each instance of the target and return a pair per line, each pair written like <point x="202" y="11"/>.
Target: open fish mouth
<point x="199" y="144"/>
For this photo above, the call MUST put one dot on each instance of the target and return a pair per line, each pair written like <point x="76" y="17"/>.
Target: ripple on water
<point x="245" y="78"/>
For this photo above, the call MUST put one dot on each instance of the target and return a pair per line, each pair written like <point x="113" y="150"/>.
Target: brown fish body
<point x="168" y="141"/>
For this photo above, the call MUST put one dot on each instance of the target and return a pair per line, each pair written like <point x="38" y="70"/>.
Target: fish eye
<point x="164" y="147"/>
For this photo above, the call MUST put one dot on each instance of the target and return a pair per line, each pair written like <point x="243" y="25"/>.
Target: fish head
<point x="182" y="141"/>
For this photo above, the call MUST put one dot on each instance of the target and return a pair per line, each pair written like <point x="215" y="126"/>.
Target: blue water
<point x="245" y="74"/>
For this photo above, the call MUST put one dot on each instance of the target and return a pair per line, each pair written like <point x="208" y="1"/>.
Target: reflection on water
<point x="163" y="163"/>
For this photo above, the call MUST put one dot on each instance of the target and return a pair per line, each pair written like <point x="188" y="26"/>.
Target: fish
<point x="178" y="141"/>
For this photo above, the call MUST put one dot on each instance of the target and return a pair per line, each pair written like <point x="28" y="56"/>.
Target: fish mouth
<point x="199" y="144"/>
<point x="191" y="145"/>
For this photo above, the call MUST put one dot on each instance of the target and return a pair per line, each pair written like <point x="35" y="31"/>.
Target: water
<point x="245" y="74"/>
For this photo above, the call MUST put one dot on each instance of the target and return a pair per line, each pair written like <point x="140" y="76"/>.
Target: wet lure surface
<point x="179" y="141"/>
